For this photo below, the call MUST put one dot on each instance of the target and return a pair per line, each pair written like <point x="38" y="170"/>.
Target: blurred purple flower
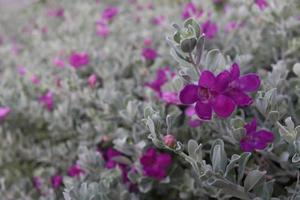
<point x="191" y="10"/>
<point x="170" y="140"/>
<point x="4" y="112"/>
<point x="155" y="164"/>
<point x="209" y="29"/>
<point x="149" y="53"/>
<point x="103" y="30"/>
<point x="47" y="100"/>
<point x="109" y="13"/>
<point x="35" y="79"/>
<point x="75" y="170"/>
<point x="158" y="21"/>
<point x="37" y="182"/>
<point x="262" y="4"/>
<point x="57" y="12"/>
<point x="92" y="80"/>
<point x="79" y="59"/>
<point x="21" y="71"/>
<point x="255" y="139"/>
<point x="58" y="62"/>
<point x="56" y="181"/>
<point x="220" y="94"/>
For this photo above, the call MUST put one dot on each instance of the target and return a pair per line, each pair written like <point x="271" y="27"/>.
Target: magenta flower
<point x="191" y="10"/>
<point x="149" y="54"/>
<point x="21" y="71"/>
<point x="4" y="112"/>
<point x="92" y="80"/>
<point x="103" y="30"/>
<point x="220" y="94"/>
<point x="35" y="79"/>
<point x="209" y="29"/>
<point x="193" y="120"/>
<point x="75" y="170"/>
<point x="230" y="26"/>
<point x="255" y="139"/>
<point x="109" y="13"/>
<point x="170" y="97"/>
<point x="155" y="164"/>
<point x="262" y="4"/>
<point x="56" y="181"/>
<point x="79" y="60"/>
<point x="58" y="62"/>
<point x="37" y="182"/>
<point x="47" y="100"/>
<point x="158" y="21"/>
<point x="57" y="12"/>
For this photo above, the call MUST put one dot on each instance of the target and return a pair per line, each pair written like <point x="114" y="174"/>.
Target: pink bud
<point x="170" y="140"/>
<point x="92" y="80"/>
<point x="35" y="80"/>
<point x="148" y="42"/>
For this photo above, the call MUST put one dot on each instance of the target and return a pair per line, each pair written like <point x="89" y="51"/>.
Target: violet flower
<point x="92" y="80"/>
<point x="262" y="4"/>
<point x="57" y="12"/>
<point x="103" y="30"/>
<point x="35" y="79"/>
<point x="158" y="21"/>
<point x="79" y="60"/>
<point x="56" y="181"/>
<point x="75" y="170"/>
<point x="4" y="112"/>
<point x="109" y="13"/>
<point x="58" y="62"/>
<point x="221" y="94"/>
<point x="149" y="54"/>
<point x="209" y="29"/>
<point x="47" y="100"/>
<point x="37" y="182"/>
<point x="21" y="71"/>
<point x="191" y="10"/>
<point x="155" y="164"/>
<point x="255" y="140"/>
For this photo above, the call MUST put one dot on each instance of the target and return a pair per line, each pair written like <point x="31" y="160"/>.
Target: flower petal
<point x="251" y="126"/>
<point x="240" y="98"/>
<point x="249" y="82"/>
<point x="265" y="136"/>
<point x="207" y="79"/>
<point x="203" y="110"/>
<point x="189" y="94"/>
<point x="223" y="106"/>
<point x="222" y="81"/>
<point x="234" y="71"/>
<point x="246" y="146"/>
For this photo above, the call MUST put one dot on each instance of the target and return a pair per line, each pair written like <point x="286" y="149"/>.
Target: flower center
<point x="204" y="94"/>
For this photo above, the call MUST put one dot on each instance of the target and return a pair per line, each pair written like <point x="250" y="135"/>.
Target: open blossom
<point x="47" y="100"/>
<point x="79" y="60"/>
<point x="262" y="4"/>
<point x="191" y="10"/>
<point x="75" y="170"/>
<point x="149" y="53"/>
<point x="56" y="181"/>
<point x="209" y="29"/>
<point x="109" y="13"/>
<point x="255" y="139"/>
<point x="155" y="164"/>
<point x="221" y="93"/>
<point x="4" y="112"/>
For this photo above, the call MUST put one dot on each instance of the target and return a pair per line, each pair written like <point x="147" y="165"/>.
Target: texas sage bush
<point x="137" y="99"/>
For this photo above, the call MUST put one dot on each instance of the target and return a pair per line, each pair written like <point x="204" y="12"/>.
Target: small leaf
<point x="218" y="156"/>
<point x="296" y="69"/>
<point x="199" y="49"/>
<point x="215" y="61"/>
<point x="252" y="179"/>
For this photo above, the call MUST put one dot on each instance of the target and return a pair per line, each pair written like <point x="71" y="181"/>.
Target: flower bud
<point x="170" y="141"/>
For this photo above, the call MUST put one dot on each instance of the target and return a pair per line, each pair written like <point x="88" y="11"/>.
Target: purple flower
<point x="103" y="30"/>
<point x="58" y="62"/>
<point x="57" y="12"/>
<point x="209" y="29"/>
<point x="79" y="59"/>
<point x="191" y="10"/>
<point x="170" y="97"/>
<point x="158" y="21"/>
<point x="155" y="164"/>
<point x="37" y="182"/>
<point x="162" y="77"/>
<point x="47" y="100"/>
<point x="149" y="53"/>
<point x="35" y="79"/>
<point x="220" y="94"/>
<point x="92" y="80"/>
<point x="262" y="4"/>
<point x="109" y="13"/>
<point x="56" y="181"/>
<point x="255" y="139"/>
<point x="75" y="170"/>
<point x="4" y="112"/>
<point x="230" y="26"/>
<point x="22" y="71"/>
